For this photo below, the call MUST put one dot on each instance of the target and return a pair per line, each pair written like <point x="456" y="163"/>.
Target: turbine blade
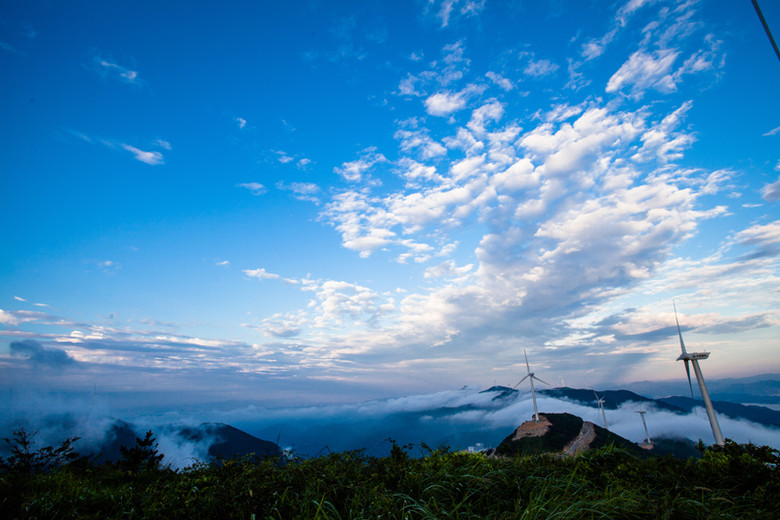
<point x="527" y="367"/>
<point x="518" y="383"/>
<point x="688" y="371"/>
<point x="545" y="382"/>
<point x="679" y="333"/>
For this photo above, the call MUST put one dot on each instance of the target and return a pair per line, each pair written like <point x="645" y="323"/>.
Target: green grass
<point x="738" y="481"/>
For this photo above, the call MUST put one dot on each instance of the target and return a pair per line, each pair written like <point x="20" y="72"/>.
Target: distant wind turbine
<point x="530" y="376"/>
<point x="647" y="435"/>
<point x="694" y="358"/>
<point x="600" y="402"/>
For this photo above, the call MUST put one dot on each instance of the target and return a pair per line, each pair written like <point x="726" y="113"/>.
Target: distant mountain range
<point x="759" y="389"/>
<point x="459" y="419"/>
<point x="677" y="404"/>
<point x="217" y="440"/>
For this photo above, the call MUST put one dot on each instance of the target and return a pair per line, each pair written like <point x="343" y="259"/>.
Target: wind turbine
<point x="694" y="358"/>
<point x="530" y="376"/>
<point x="600" y="402"/>
<point x="647" y="435"/>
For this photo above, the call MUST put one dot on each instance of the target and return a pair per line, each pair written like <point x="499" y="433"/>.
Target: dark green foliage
<point x="563" y="428"/>
<point x="605" y="438"/>
<point x="729" y="482"/>
<point x="25" y="458"/>
<point x="142" y="456"/>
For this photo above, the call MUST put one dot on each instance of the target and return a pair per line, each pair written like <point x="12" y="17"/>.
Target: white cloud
<point x="597" y="46"/>
<point x="223" y="263"/>
<point x="306" y="191"/>
<point x="540" y="68"/>
<point x="354" y="171"/>
<point x="771" y="192"/>
<point x="493" y="110"/>
<point x="108" y="265"/>
<point x="285" y="325"/>
<point x="452" y="8"/>
<point x="107" y="66"/>
<point x="241" y="122"/>
<point x="254" y="187"/>
<point x="766" y="236"/>
<point x="260" y="274"/>
<point x="663" y="141"/>
<point x="283" y="157"/>
<point x="774" y="131"/>
<point x="339" y="303"/>
<point x="7" y="318"/>
<point x="645" y="70"/>
<point x="418" y="139"/>
<point x="444" y="103"/>
<point x="499" y="80"/>
<point x="151" y="158"/>
<point x="447" y="269"/>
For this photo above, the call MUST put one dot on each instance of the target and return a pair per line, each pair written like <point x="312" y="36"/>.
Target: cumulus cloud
<point x="499" y="80"/>
<point x="285" y="325"/>
<point x="417" y="139"/>
<point x="444" y="103"/>
<point x="354" y="171"/>
<point x="338" y="301"/>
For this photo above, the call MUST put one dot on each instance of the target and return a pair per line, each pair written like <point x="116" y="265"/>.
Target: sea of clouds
<point x="459" y="419"/>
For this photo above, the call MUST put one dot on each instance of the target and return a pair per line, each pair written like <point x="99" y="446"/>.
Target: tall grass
<point x="739" y="481"/>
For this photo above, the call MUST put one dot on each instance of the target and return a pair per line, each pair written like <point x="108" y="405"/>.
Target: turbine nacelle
<point x="693" y="358"/>
<point x="531" y="376"/>
<point x="690" y="356"/>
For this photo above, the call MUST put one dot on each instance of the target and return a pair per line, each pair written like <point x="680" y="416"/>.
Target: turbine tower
<point x="530" y="376"/>
<point x="600" y="402"/>
<point x="694" y="358"/>
<point x="647" y="435"/>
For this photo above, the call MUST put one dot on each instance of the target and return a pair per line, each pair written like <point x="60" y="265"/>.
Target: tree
<point x="26" y="459"/>
<point x="143" y="456"/>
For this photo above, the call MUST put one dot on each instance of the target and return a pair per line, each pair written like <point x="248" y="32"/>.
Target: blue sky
<point x="310" y="202"/>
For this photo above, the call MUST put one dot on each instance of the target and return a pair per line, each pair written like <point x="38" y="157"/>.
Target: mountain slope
<point x="561" y="433"/>
<point x="612" y="398"/>
<point x="218" y="440"/>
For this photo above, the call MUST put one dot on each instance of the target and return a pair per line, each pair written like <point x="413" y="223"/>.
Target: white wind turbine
<point x="647" y="435"/>
<point x="694" y="358"/>
<point x="600" y="402"/>
<point x="530" y="376"/>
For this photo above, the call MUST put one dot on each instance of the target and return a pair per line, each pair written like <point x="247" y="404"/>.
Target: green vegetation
<point x="730" y="482"/>
<point x="563" y="428"/>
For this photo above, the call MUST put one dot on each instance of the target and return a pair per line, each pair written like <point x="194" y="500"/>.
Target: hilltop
<point x="561" y="433"/>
